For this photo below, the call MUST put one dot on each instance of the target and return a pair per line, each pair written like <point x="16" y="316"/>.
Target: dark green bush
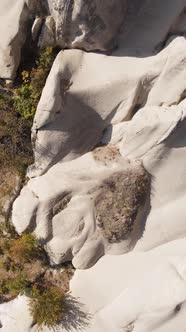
<point x="18" y="285"/>
<point x="46" y="307"/>
<point x="27" y="96"/>
<point x="15" y="141"/>
<point x="25" y="248"/>
<point x="17" y="109"/>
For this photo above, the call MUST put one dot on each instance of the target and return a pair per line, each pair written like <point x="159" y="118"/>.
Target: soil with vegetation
<point x="118" y="203"/>
<point x="18" y="105"/>
<point x="24" y="265"/>
<point x="25" y="270"/>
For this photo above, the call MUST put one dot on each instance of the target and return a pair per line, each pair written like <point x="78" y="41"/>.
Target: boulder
<point x="13" y="31"/>
<point x="87" y="92"/>
<point x="47" y="35"/>
<point x="65" y="207"/>
<point x="87" y="24"/>
<point x="11" y="311"/>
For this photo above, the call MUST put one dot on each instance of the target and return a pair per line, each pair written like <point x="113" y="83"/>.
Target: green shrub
<point x="18" y="285"/>
<point x="47" y="307"/>
<point x="3" y="288"/>
<point x="15" y="141"/>
<point x="23" y="101"/>
<point x="27" y="96"/>
<point x="25" y="248"/>
<point x="17" y="109"/>
<point x="7" y="264"/>
<point x="21" y="274"/>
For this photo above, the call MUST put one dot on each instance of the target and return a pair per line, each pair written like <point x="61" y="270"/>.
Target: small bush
<point x="25" y="248"/>
<point x="23" y="101"/>
<point x="17" y="109"/>
<point x="18" y="285"/>
<point x="27" y="96"/>
<point x="46" y="307"/>
<point x="3" y="288"/>
<point x="15" y="141"/>
<point x="23" y="271"/>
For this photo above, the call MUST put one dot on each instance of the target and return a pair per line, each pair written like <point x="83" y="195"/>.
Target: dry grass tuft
<point x="119" y="201"/>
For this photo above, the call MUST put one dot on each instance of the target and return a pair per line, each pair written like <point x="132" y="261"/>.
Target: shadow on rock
<point x="74" y="316"/>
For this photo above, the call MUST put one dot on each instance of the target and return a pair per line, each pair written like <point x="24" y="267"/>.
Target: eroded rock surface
<point x="85" y="92"/>
<point x="64" y="216"/>
<point x="108" y="187"/>
<point x="87" y="24"/>
<point x="13" y="29"/>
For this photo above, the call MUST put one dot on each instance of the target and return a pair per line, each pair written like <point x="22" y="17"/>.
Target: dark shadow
<point x="43" y="8"/>
<point x="177" y="138"/>
<point x="107" y="133"/>
<point x="73" y="122"/>
<point x="148" y="15"/>
<point x="74" y="316"/>
<point x="140" y="223"/>
<point x="146" y="212"/>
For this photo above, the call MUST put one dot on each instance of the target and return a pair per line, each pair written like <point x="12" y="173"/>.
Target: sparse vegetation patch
<point x="24" y="269"/>
<point x="17" y="109"/>
<point x="119" y="201"/>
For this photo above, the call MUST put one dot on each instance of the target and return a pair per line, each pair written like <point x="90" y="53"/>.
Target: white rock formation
<point x="86" y="91"/>
<point x="15" y="316"/>
<point x="87" y="24"/>
<point x="72" y="231"/>
<point x="133" y="101"/>
<point x="13" y="17"/>
<point x="83" y="24"/>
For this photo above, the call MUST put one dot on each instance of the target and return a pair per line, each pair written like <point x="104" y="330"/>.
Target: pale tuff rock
<point x="36" y="28"/>
<point x="83" y="24"/>
<point x="47" y="36"/>
<point x="72" y="229"/>
<point x="87" y="24"/>
<point x="143" y="289"/>
<point x="108" y="187"/>
<point x="15" y="316"/>
<point x="13" y="22"/>
<point x="73" y="232"/>
<point x="85" y="92"/>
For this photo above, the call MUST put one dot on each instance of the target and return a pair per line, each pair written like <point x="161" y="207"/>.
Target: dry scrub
<point x="24" y="269"/>
<point x="119" y="201"/>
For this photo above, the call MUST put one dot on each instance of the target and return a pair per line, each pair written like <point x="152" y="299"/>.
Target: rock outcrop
<point x="85" y="92"/>
<point x="108" y="187"/>
<point x="87" y="24"/>
<point x="74" y="229"/>
<point x="13" y="30"/>
<point x="66" y="23"/>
